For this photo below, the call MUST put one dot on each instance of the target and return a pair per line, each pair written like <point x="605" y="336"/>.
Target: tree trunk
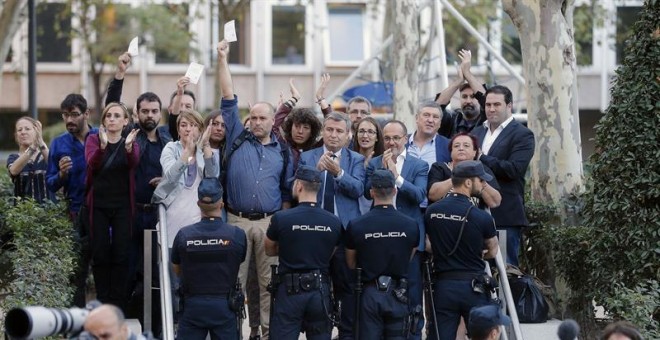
<point x="12" y="14"/>
<point x="405" y="48"/>
<point x="545" y="28"/>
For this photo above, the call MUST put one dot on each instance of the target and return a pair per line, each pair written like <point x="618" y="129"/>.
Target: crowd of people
<point x="349" y="210"/>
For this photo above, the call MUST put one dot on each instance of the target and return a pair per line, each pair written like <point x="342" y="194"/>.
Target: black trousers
<point x="110" y="244"/>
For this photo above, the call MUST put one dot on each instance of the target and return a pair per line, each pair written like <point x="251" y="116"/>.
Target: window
<point x="583" y="24"/>
<point x="346" y="33"/>
<point x="10" y="55"/>
<point x="288" y="39"/>
<point x="625" y="19"/>
<point x="510" y="41"/>
<point x="53" y="32"/>
<point x="239" y="53"/>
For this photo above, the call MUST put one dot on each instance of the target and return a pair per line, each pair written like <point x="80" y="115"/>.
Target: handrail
<point x="165" y="283"/>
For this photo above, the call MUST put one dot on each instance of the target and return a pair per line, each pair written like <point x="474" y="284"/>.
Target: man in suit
<point x="411" y="175"/>
<point x="507" y="148"/>
<point x="342" y="185"/>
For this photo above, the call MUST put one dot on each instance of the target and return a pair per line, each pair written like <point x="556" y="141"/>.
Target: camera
<point x="38" y="322"/>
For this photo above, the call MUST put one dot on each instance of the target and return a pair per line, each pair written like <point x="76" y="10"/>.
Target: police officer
<point x="461" y="235"/>
<point x="382" y="242"/>
<point x="206" y="256"/>
<point x="305" y="238"/>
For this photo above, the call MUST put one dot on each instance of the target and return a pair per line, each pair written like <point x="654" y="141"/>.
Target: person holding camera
<point x="206" y="256"/>
<point x="461" y="236"/>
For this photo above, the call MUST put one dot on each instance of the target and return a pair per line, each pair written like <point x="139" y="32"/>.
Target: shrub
<point x="37" y="257"/>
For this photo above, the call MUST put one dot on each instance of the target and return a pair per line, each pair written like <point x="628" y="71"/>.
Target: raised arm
<point x="444" y="97"/>
<point x="229" y="103"/>
<point x="466" y="63"/>
<point x="320" y="94"/>
<point x="284" y="109"/>
<point x="117" y="83"/>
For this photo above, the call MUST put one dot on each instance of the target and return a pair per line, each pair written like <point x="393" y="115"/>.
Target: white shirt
<point x="328" y="175"/>
<point x="399" y="180"/>
<point x="491" y="136"/>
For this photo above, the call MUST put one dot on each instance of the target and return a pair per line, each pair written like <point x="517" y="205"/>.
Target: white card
<point x="133" y="48"/>
<point x="230" y="31"/>
<point x="194" y="72"/>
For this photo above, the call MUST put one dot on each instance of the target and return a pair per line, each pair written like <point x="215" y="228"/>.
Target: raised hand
<point x="466" y="61"/>
<point x="123" y="62"/>
<point x="294" y="91"/>
<point x="181" y="85"/>
<point x="39" y="139"/>
<point x="204" y="139"/>
<point x="320" y="91"/>
<point x="130" y="139"/>
<point x="223" y="49"/>
<point x="188" y="153"/>
<point x="103" y="137"/>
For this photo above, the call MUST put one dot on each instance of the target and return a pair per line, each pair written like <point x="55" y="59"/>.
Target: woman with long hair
<point x="368" y="141"/>
<point x="27" y="168"/>
<point x="111" y="162"/>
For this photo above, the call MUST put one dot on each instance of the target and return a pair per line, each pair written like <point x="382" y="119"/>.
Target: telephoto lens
<point x="39" y="322"/>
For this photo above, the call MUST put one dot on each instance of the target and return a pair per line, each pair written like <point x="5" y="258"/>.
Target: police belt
<point x="455" y="275"/>
<point x="302" y="281"/>
<point x="252" y="216"/>
<point x="383" y="282"/>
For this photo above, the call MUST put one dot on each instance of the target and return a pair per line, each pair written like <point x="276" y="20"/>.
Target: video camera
<point x="39" y="322"/>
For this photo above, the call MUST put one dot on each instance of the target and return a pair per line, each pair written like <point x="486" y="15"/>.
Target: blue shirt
<point x="67" y="144"/>
<point x="254" y="170"/>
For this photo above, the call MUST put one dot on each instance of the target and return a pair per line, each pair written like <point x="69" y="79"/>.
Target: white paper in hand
<point x="133" y="48"/>
<point x="230" y="31"/>
<point x="194" y="72"/>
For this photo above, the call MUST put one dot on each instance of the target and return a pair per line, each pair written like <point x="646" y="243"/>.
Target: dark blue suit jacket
<point x="412" y="192"/>
<point x="509" y="157"/>
<point x="347" y="189"/>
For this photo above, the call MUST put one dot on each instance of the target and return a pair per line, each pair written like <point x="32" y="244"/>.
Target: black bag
<point x="528" y="298"/>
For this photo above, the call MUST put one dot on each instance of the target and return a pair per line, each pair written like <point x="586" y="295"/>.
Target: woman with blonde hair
<point x="111" y="163"/>
<point x="27" y="168"/>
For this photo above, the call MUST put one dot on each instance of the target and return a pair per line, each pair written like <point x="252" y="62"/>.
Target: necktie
<point x="329" y="192"/>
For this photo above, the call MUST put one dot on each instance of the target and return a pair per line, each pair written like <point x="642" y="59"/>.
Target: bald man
<point x="106" y="322"/>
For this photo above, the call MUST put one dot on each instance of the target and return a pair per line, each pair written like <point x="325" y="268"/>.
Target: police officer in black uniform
<point x="461" y="236"/>
<point x="382" y="242"/>
<point x="305" y="238"/>
<point x="206" y="255"/>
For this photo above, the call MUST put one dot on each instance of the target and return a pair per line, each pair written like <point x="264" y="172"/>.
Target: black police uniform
<point x="209" y="253"/>
<point x="307" y="236"/>
<point x="453" y="275"/>
<point x="383" y="240"/>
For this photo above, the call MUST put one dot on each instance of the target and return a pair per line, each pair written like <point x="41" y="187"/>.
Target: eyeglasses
<point x="396" y="139"/>
<point x="72" y="114"/>
<point x="366" y="132"/>
<point x="359" y="112"/>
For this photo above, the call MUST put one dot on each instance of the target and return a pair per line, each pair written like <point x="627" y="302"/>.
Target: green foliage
<point x="613" y="257"/>
<point x="637" y="305"/>
<point x="37" y="257"/>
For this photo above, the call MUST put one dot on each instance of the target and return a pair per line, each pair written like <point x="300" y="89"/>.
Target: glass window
<point x="625" y="19"/>
<point x="583" y="24"/>
<point x="53" y="33"/>
<point x="347" y="33"/>
<point x="510" y="41"/>
<point x="288" y="40"/>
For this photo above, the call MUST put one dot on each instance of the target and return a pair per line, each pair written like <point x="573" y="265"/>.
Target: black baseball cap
<point x="486" y="317"/>
<point x="308" y="173"/>
<point x="469" y="169"/>
<point x="210" y="190"/>
<point x="382" y="179"/>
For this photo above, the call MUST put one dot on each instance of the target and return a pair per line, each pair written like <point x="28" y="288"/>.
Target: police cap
<point x="308" y="173"/>
<point x="210" y="190"/>
<point x="382" y="179"/>
<point x="469" y="169"/>
<point x="486" y="317"/>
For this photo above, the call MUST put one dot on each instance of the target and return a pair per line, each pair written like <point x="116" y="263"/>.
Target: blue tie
<point x="329" y="193"/>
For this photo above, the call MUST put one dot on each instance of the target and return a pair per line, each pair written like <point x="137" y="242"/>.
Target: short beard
<point x="148" y="125"/>
<point x="470" y="114"/>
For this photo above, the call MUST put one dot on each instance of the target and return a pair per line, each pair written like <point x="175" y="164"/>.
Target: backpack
<point x="531" y="305"/>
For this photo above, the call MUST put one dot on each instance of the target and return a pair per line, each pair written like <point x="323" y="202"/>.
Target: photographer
<point x="460" y="236"/>
<point x="107" y="322"/>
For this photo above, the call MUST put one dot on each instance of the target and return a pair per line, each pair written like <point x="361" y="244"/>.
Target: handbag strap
<point x="114" y="153"/>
